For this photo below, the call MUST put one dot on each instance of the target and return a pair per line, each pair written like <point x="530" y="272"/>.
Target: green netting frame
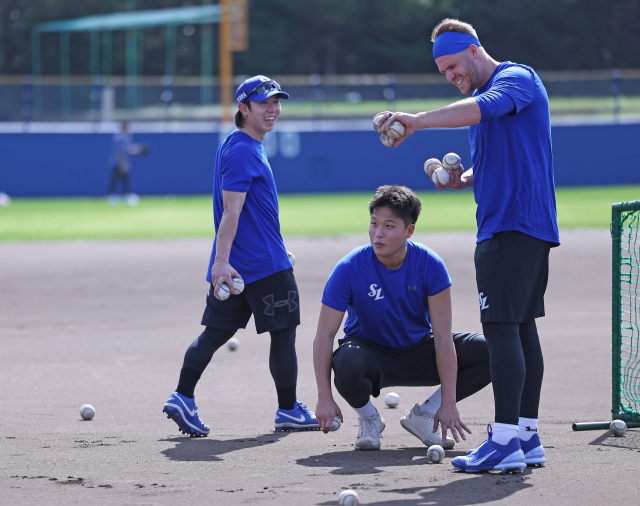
<point x="625" y="314"/>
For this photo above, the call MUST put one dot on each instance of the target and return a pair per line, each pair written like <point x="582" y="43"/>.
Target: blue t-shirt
<point x="258" y="249"/>
<point x="386" y="306"/>
<point x="511" y="153"/>
<point x="120" y="150"/>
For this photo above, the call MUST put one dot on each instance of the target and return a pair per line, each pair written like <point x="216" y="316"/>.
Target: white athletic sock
<point x="432" y="404"/>
<point x="527" y="427"/>
<point x="504" y="432"/>
<point x="366" y="411"/>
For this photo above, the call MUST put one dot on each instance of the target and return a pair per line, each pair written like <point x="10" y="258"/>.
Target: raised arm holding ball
<point x="512" y="179"/>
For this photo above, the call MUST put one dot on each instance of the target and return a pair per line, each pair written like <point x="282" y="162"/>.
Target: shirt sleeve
<point x="513" y="90"/>
<point x="337" y="292"/>
<point x="236" y="169"/>
<point x="437" y="275"/>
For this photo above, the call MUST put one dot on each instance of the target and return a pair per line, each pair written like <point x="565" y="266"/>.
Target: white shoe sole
<point x="367" y="445"/>
<point x="426" y="441"/>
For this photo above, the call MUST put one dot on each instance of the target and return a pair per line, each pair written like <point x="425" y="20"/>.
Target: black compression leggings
<point x="283" y="361"/>
<point x="356" y="373"/>
<point x="517" y="368"/>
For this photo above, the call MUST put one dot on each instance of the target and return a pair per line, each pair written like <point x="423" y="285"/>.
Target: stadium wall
<point x="76" y="164"/>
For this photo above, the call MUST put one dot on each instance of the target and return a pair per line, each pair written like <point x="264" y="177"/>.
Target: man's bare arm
<point x="222" y="272"/>
<point x="328" y="326"/>
<point x="463" y="113"/>
<point x="447" y="363"/>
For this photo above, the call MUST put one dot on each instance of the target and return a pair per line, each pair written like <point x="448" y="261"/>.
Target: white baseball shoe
<point x="369" y="432"/>
<point x="421" y="426"/>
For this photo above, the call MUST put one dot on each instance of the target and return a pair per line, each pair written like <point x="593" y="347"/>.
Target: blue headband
<point x="452" y="43"/>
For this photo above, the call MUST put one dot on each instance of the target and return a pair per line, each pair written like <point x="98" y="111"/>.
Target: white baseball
<point x="618" y="427"/>
<point x="386" y="140"/>
<point x="223" y="293"/>
<point x="233" y="344"/>
<point x="292" y="258"/>
<point x="379" y="121"/>
<point x="335" y="423"/>
<point x="348" y="498"/>
<point x="238" y="286"/>
<point x="435" y="453"/>
<point x="392" y="399"/>
<point x="440" y="176"/>
<point x="396" y="130"/>
<point x="430" y="165"/>
<point x="451" y="161"/>
<point x="87" y="412"/>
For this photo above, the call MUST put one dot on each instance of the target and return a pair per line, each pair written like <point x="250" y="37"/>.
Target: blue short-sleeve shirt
<point x="258" y="249"/>
<point x="388" y="307"/>
<point x="513" y="180"/>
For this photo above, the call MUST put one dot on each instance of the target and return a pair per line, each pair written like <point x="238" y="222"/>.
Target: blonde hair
<point x="452" y="25"/>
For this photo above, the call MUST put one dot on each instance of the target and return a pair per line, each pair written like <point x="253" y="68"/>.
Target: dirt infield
<point x="108" y="324"/>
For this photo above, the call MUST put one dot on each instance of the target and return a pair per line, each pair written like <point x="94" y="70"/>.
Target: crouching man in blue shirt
<point x="398" y="331"/>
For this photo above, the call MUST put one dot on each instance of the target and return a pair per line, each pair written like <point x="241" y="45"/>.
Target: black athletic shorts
<point x="413" y="366"/>
<point x="512" y="269"/>
<point x="273" y="301"/>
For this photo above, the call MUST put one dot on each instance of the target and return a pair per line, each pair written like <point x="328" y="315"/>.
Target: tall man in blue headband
<point x="512" y="180"/>
<point x="248" y="245"/>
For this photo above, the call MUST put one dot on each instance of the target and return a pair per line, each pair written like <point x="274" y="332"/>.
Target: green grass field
<point x="300" y="215"/>
<point x="557" y="106"/>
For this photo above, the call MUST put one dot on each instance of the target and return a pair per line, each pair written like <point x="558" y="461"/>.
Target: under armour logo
<point x="483" y="302"/>
<point x="268" y="300"/>
<point x="412" y="288"/>
<point x="375" y="292"/>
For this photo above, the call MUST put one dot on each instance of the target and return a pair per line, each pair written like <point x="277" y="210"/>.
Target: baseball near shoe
<point x="298" y="418"/>
<point x="533" y="450"/>
<point x="369" y="432"/>
<point x="490" y="455"/>
<point x="184" y="412"/>
<point x="421" y="426"/>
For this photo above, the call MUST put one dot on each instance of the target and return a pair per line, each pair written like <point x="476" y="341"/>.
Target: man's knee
<point x="350" y="364"/>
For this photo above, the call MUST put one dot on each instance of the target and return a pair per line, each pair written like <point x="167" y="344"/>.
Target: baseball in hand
<point x="396" y="130"/>
<point x="87" y="412"/>
<point x="292" y="258"/>
<point x="386" y="140"/>
<point x="379" y="121"/>
<point x="440" y="176"/>
<point x="435" y="453"/>
<point x="223" y="293"/>
<point x="238" y="286"/>
<point x="451" y="161"/>
<point x="335" y="423"/>
<point x="430" y="165"/>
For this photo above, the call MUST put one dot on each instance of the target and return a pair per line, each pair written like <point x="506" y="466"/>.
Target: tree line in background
<point x="348" y="36"/>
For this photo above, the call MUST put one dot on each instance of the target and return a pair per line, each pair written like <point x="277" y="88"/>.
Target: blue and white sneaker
<point x="533" y="450"/>
<point x="184" y="412"/>
<point x="490" y="455"/>
<point x="298" y="418"/>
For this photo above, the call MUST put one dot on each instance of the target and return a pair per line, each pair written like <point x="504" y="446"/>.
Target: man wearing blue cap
<point x="248" y="245"/>
<point x="512" y="180"/>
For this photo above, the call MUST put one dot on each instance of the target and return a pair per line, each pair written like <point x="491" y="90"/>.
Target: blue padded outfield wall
<point x="57" y="164"/>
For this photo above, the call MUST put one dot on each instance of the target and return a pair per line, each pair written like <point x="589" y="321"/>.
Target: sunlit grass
<point x="300" y="215"/>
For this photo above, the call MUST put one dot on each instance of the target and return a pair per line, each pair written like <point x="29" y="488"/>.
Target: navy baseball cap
<point x="258" y="88"/>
